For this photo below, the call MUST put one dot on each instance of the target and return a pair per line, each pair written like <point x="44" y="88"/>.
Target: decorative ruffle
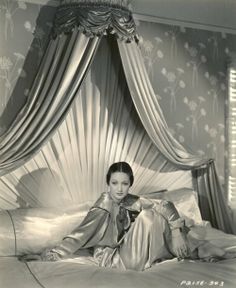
<point x="95" y="19"/>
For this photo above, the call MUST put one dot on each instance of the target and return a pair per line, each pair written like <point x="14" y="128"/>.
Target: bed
<point x="31" y="230"/>
<point x="79" y="273"/>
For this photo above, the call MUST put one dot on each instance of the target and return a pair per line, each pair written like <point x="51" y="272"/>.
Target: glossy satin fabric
<point x="63" y="68"/>
<point x="147" y="241"/>
<point x="129" y="235"/>
<point x="31" y="230"/>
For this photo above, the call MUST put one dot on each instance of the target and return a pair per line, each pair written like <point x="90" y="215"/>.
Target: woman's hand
<point x="179" y="244"/>
<point x="106" y="259"/>
<point x="46" y="255"/>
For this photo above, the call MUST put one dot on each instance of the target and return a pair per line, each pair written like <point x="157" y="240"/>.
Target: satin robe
<point x="130" y="235"/>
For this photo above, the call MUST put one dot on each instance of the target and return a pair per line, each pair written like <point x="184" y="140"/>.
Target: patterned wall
<point x="186" y="66"/>
<point x="24" y="30"/>
<point x="188" y="69"/>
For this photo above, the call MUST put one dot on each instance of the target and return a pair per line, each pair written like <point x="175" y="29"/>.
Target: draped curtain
<point x="78" y="28"/>
<point x="101" y="127"/>
<point x="60" y="75"/>
<point x="212" y="202"/>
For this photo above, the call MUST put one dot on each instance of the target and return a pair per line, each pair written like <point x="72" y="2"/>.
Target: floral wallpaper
<point x="188" y="70"/>
<point x="24" y="30"/>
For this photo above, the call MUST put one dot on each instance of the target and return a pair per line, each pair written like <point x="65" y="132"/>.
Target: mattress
<point x="82" y="272"/>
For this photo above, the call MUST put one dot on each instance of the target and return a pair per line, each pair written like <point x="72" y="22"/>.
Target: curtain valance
<point x="95" y="18"/>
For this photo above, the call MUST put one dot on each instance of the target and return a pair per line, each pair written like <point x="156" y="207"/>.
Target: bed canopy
<point x="92" y="104"/>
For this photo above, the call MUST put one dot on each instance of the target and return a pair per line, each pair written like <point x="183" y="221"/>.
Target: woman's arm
<point x="168" y="210"/>
<point x="87" y="234"/>
<point x="179" y="245"/>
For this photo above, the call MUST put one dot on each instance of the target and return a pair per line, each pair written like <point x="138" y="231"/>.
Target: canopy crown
<point x="95" y="18"/>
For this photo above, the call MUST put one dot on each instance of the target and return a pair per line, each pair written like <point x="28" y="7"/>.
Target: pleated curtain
<point x="60" y="75"/>
<point x="102" y="127"/>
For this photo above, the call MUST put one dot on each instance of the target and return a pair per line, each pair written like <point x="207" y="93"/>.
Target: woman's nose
<point x="120" y="188"/>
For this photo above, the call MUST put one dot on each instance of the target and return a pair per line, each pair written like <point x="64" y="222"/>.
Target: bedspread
<point x="82" y="272"/>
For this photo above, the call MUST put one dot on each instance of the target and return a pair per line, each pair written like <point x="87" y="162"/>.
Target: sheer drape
<point x="62" y="70"/>
<point x="145" y="101"/>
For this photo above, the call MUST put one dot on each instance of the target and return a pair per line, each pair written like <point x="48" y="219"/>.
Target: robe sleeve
<point x="86" y="235"/>
<point x="166" y="209"/>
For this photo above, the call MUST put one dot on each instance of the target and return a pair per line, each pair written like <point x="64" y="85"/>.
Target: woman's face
<point x="119" y="185"/>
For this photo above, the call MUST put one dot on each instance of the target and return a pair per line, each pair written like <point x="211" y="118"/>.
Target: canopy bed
<point x="92" y="104"/>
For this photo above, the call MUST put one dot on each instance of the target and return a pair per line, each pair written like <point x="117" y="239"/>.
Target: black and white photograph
<point x="117" y="143"/>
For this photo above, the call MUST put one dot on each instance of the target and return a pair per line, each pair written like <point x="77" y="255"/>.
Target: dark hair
<point x="120" y="167"/>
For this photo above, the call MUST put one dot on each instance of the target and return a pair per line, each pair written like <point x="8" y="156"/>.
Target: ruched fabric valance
<point x="78" y="29"/>
<point x="95" y="18"/>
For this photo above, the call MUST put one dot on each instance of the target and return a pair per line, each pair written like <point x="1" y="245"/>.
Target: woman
<point x="130" y="232"/>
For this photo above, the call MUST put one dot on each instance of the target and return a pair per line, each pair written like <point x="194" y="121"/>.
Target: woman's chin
<point x="117" y="197"/>
<point x="120" y="197"/>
